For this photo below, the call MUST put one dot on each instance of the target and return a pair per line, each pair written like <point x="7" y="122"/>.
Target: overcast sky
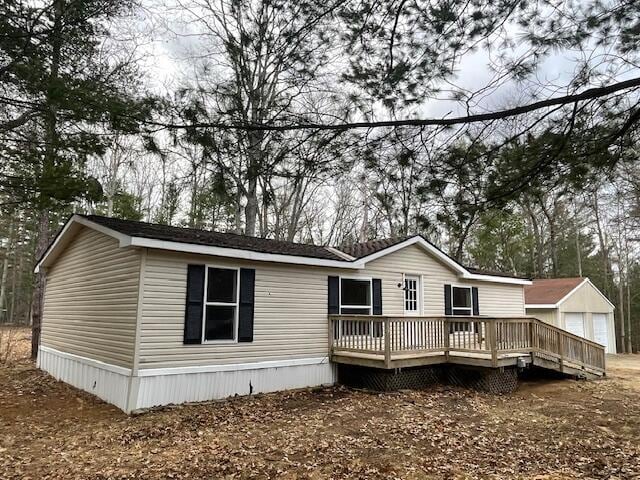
<point x="171" y="42"/>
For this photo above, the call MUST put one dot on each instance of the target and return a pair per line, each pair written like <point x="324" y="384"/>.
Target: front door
<point x="411" y="295"/>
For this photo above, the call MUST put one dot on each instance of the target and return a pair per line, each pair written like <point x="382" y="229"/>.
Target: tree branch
<point x="592" y="93"/>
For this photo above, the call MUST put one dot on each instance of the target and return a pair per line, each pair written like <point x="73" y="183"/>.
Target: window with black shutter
<point x="461" y="299"/>
<point x="355" y="296"/>
<point x="221" y="304"/>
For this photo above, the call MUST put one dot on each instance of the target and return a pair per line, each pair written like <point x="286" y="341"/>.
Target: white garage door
<point x="601" y="330"/>
<point x="574" y="323"/>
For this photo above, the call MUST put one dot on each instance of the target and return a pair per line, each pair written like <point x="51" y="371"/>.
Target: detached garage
<point x="574" y="304"/>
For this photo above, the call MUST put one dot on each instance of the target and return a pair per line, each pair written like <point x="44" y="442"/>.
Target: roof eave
<point x="497" y="279"/>
<point x="541" y="305"/>
<point x="240" y="253"/>
<point x="124" y="240"/>
<point x="582" y="283"/>
<point x="444" y="258"/>
<point x="58" y="244"/>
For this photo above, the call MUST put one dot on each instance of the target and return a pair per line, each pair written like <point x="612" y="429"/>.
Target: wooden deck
<point x="396" y="342"/>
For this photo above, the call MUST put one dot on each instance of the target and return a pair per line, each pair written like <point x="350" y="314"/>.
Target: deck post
<point x="387" y="342"/>
<point x="447" y="331"/>
<point x="331" y="335"/>
<point x="535" y="339"/>
<point x="582" y="348"/>
<point x="560" y="351"/>
<point x="493" y="342"/>
<point x="532" y="336"/>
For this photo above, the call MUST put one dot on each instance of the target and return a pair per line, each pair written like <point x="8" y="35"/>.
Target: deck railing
<point x="490" y="337"/>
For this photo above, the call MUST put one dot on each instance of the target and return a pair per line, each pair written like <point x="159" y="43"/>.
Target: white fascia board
<point x="422" y="243"/>
<point x="496" y="279"/>
<point x="52" y="251"/>
<point x="463" y="272"/>
<point x="125" y="240"/>
<point x="241" y="254"/>
<point x="541" y="305"/>
<point x="573" y="290"/>
<point x="601" y="294"/>
<point x="340" y="253"/>
<point x="585" y="281"/>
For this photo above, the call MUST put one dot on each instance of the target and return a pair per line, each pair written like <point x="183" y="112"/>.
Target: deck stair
<point x="390" y="342"/>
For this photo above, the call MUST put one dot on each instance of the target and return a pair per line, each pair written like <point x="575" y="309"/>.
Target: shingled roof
<point x="363" y="249"/>
<point x="193" y="240"/>
<point x="214" y="239"/>
<point x="549" y="291"/>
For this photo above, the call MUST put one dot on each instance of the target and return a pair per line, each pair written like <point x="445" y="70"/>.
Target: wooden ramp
<point x="398" y="342"/>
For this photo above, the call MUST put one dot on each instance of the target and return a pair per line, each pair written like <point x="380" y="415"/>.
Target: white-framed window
<point x="412" y="294"/>
<point x="356" y="296"/>
<point x="461" y="303"/>
<point x="220" y="315"/>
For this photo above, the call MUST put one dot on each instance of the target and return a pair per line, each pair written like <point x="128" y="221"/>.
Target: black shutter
<point x="376" y="285"/>
<point x="245" y="313"/>
<point x="334" y="296"/>
<point x="376" y="303"/>
<point x="474" y="301"/>
<point x="194" y="305"/>
<point x="447" y="300"/>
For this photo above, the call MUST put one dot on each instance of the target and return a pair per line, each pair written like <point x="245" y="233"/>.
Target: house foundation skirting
<point x="149" y="388"/>
<point x="105" y="381"/>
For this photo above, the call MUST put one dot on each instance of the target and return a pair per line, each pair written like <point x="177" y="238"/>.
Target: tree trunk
<point x="553" y="238"/>
<point x="603" y="245"/>
<point x="109" y="206"/>
<point x="538" y="266"/>
<point x="629" y="332"/>
<point x="49" y="162"/>
<point x="621" y="322"/>
<point x="254" y="159"/>
<point x="578" y="253"/>
<point x="5" y="274"/>
<point x="38" y="291"/>
<point x="251" y="209"/>
<point x="238" y="210"/>
<point x="463" y="238"/>
<point x="16" y="274"/>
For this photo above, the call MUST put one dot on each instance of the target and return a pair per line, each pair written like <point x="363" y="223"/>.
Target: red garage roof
<point x="549" y="291"/>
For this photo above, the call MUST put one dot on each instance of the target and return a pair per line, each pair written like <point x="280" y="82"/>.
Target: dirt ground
<point x="547" y="429"/>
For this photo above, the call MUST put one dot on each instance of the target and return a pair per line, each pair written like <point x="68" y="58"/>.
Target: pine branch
<point x="590" y="94"/>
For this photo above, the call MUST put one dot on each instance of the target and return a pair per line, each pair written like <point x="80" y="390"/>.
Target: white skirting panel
<point x="150" y="388"/>
<point x="201" y="386"/>
<point x="108" y="382"/>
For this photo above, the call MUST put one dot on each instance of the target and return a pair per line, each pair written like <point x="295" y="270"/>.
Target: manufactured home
<point x="573" y="304"/>
<point x="143" y="315"/>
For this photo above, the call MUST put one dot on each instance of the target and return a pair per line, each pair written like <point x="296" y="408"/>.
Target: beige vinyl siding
<point x="586" y="299"/>
<point x="548" y="315"/>
<point x="90" y="302"/>
<point x="290" y="314"/>
<point x="290" y="306"/>
<point x="494" y="299"/>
